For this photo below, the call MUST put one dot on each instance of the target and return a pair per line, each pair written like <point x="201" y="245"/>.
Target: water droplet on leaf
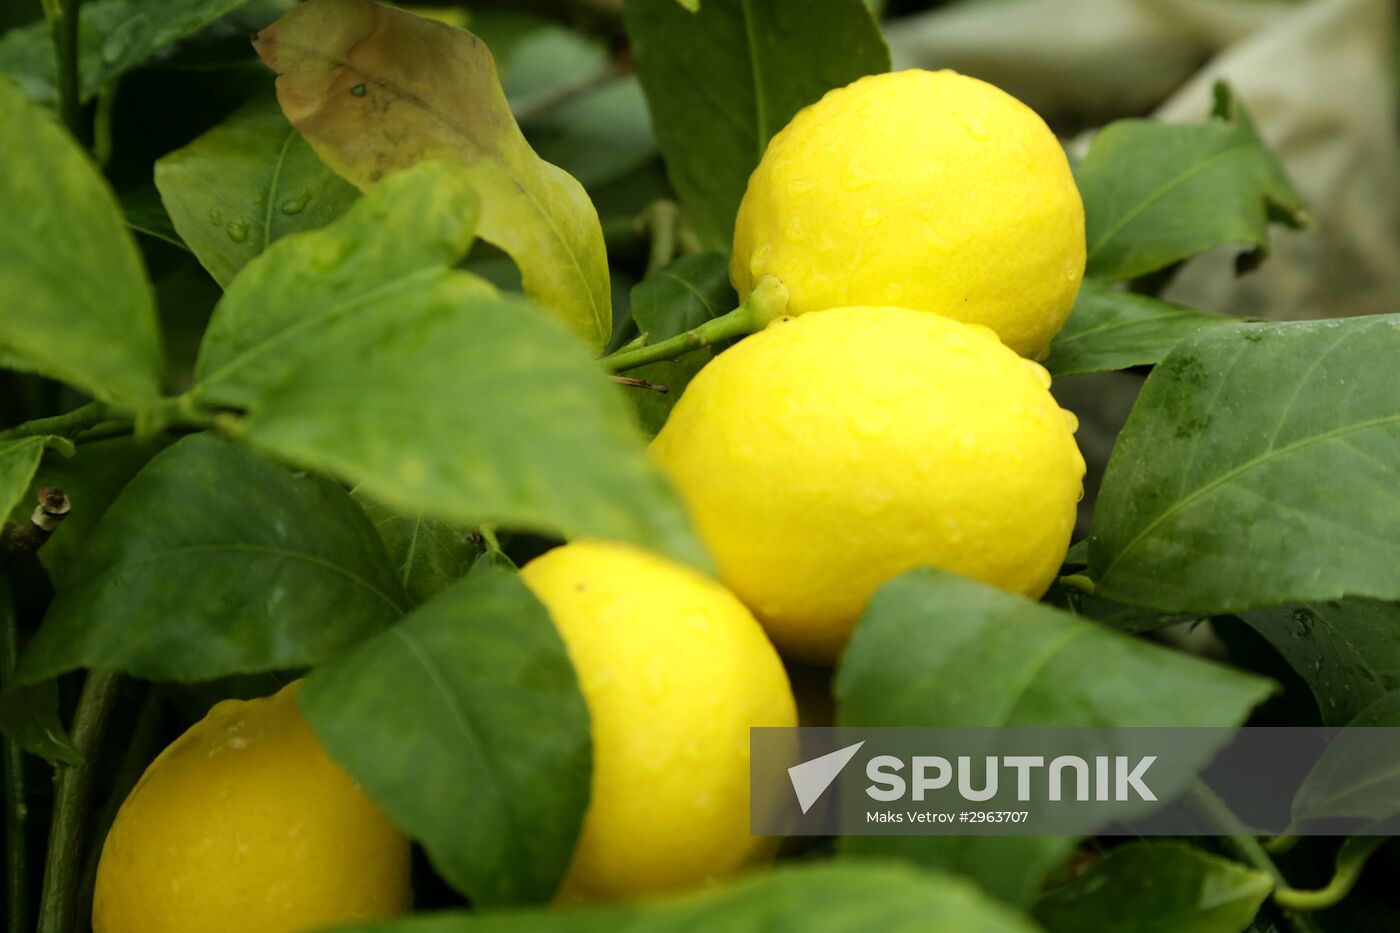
<point x="296" y="204"/>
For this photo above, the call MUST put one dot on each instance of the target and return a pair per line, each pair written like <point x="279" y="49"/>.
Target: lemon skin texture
<point x="674" y="671"/>
<point x="927" y="190"/>
<point x="831" y="452"/>
<point x="244" y="825"/>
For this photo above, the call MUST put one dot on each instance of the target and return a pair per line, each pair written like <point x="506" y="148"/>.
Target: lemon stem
<point x="16" y="810"/>
<point x="72" y="791"/>
<point x="765" y="304"/>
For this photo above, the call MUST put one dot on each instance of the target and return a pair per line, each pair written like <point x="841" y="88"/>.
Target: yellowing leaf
<point x="375" y="89"/>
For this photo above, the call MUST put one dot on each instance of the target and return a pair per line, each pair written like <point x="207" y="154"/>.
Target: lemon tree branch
<point x="765" y="304"/>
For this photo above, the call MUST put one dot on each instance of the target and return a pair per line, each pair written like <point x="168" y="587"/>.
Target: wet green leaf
<point x="1149" y="887"/>
<point x="394" y="246"/>
<point x="77" y="306"/>
<point x="375" y="89"/>
<point x="484" y="754"/>
<point x="938" y="650"/>
<point x="1347" y="651"/>
<point x="1257" y="468"/>
<point x="723" y="81"/>
<point x="818" y="897"/>
<point x="1111" y="329"/>
<point x="244" y="184"/>
<point x="116" y="36"/>
<point x="1155" y="194"/>
<point x="213" y="561"/>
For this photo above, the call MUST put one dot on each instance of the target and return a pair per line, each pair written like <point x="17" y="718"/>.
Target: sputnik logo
<point x="810" y="779"/>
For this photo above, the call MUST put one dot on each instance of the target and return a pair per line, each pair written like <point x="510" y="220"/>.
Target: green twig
<point x="72" y="792"/>
<point x="140" y="748"/>
<point x="69" y="424"/>
<point x="765" y="304"/>
<point x="16" y="809"/>
<point x="1350" y="862"/>
<point x="661" y="220"/>
<point x="63" y="24"/>
<point x="102" y="124"/>
<point x="100" y="421"/>
<point x="1237" y="839"/>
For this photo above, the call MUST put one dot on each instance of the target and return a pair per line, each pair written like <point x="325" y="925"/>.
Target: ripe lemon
<point x="927" y="190"/>
<point x="674" y="671"/>
<point x="833" y="451"/>
<point x="244" y="825"/>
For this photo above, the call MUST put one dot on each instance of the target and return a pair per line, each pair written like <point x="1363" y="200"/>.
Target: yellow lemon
<point x="927" y="190"/>
<point x="674" y="671"/>
<point x="244" y="825"/>
<point x="833" y="451"/>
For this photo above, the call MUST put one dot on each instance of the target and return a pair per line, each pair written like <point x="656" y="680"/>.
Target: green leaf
<point x="429" y="554"/>
<point x="245" y="183"/>
<point x="91" y="478"/>
<point x="484" y="753"/>
<point x="938" y="650"/>
<point x="541" y="60"/>
<point x="682" y="296"/>
<point x="77" y="304"/>
<point x="19" y="461"/>
<point x="475" y="409"/>
<point x="598" y="137"/>
<point x="1155" y="193"/>
<point x="1257" y="468"/>
<point x="1348" y="651"/>
<point x="723" y="81"/>
<point x="143" y="212"/>
<point x="211" y="562"/>
<point x="374" y="89"/>
<point x="29" y="715"/>
<point x="1148" y="887"/>
<point x="818" y="897"/>
<point x="395" y="246"/>
<point x="1356" y="777"/>
<point x="115" y="36"/>
<point x="1110" y="329"/>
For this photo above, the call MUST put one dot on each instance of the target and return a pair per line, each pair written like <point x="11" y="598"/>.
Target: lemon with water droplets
<point x="244" y="825"/>
<point x="674" y="671"/>
<point x="928" y="190"/>
<point x="831" y="452"/>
